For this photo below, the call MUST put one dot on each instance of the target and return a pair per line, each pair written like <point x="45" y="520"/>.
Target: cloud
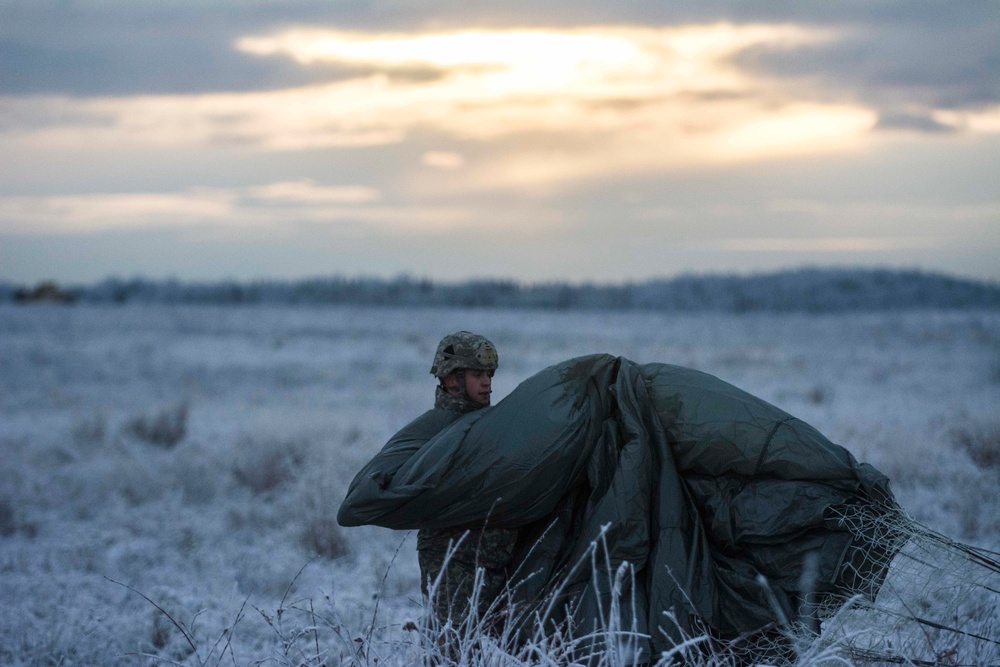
<point x="263" y="208"/>
<point x="906" y="61"/>
<point x="889" y="213"/>
<point x="527" y="109"/>
<point x="442" y="160"/>
<point x="984" y="120"/>
<point x="557" y="105"/>
<point x="88" y="48"/>
<point x="826" y="244"/>
<point x="920" y="121"/>
<point x="90" y="213"/>
<point x="308" y="192"/>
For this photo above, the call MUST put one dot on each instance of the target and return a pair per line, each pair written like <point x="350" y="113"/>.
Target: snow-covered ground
<point x="274" y="410"/>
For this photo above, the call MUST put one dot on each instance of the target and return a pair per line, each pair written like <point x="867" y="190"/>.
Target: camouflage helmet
<point x="464" y="349"/>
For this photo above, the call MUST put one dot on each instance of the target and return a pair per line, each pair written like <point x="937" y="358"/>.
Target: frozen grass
<point x="164" y="427"/>
<point x="283" y="405"/>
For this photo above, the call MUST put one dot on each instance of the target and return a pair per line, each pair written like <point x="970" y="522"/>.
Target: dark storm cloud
<point x="911" y="121"/>
<point x="897" y="64"/>
<point x="146" y="48"/>
<point x="897" y="56"/>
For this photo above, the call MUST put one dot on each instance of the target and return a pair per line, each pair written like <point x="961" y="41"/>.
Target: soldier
<point x="464" y="365"/>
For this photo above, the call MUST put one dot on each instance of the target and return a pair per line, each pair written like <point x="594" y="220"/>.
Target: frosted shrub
<point x="135" y="476"/>
<point x="167" y="641"/>
<point x="261" y="577"/>
<point x="173" y="632"/>
<point x="90" y="431"/>
<point x="164" y="427"/>
<point x="198" y="483"/>
<point x="317" y="496"/>
<point x="323" y="537"/>
<point x="819" y="395"/>
<point x="981" y="442"/>
<point x="8" y="525"/>
<point x="62" y="640"/>
<point x="263" y="464"/>
<point x="976" y="498"/>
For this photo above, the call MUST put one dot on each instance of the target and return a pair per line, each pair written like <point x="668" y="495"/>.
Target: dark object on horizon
<point x="45" y="292"/>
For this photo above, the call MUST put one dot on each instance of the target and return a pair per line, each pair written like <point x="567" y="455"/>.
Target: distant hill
<point x="803" y="290"/>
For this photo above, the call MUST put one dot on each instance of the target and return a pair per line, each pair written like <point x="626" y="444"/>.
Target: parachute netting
<point x="920" y="597"/>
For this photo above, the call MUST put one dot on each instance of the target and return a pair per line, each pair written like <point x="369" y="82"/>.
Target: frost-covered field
<point x="274" y="409"/>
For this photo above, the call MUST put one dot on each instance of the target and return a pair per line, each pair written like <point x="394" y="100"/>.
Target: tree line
<point x="802" y="290"/>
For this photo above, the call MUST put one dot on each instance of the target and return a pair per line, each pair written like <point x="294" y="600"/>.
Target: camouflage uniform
<point x="488" y="548"/>
<point x="478" y="546"/>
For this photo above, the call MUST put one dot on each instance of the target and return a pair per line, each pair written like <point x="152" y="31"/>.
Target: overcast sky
<point x="581" y="140"/>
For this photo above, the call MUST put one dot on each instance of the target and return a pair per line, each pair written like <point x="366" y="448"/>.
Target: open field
<point x="198" y="454"/>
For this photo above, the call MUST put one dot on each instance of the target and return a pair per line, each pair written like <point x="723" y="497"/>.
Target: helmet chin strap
<point x="463" y="388"/>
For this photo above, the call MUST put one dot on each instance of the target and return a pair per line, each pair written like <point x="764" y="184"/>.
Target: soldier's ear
<point x="450" y="381"/>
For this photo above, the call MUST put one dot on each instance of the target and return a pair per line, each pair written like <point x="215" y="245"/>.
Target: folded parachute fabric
<point x="702" y="488"/>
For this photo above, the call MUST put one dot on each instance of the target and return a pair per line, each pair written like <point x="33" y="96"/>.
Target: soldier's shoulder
<point x="427" y="424"/>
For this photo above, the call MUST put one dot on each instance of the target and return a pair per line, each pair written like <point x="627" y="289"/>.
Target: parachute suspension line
<point x="977" y="554"/>
<point x="862" y="655"/>
<point x="971" y="583"/>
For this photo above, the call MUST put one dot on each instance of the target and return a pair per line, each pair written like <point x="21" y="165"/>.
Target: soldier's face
<point x="479" y="384"/>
